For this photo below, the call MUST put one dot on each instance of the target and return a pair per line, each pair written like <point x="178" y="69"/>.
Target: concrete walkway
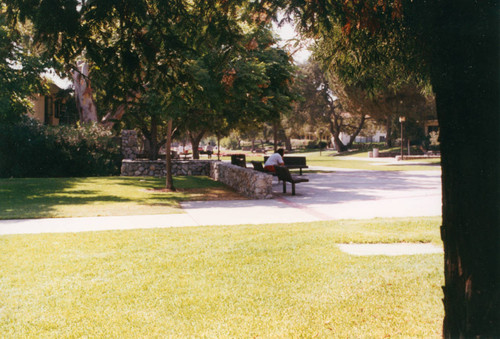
<point x="337" y="194"/>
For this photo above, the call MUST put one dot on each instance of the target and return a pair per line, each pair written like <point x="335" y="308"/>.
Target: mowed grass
<point x="268" y="281"/>
<point x="331" y="159"/>
<point x="102" y="196"/>
<point x="328" y="159"/>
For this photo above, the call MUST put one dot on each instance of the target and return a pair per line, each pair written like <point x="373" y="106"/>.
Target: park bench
<point x="284" y="175"/>
<point x="293" y="162"/>
<point x="239" y="160"/>
<point x="257" y="165"/>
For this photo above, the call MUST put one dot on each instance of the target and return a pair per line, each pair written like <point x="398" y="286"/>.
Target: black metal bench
<point x="293" y="162"/>
<point x="284" y="175"/>
<point x="257" y="165"/>
<point x="239" y="160"/>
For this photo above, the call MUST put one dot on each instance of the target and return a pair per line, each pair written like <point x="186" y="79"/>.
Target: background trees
<point x="20" y="68"/>
<point x="193" y="66"/>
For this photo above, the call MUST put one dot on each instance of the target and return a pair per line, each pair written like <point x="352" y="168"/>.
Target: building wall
<point x="38" y="108"/>
<point x="45" y="107"/>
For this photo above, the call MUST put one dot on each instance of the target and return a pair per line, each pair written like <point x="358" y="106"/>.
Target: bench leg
<point x="293" y="188"/>
<point x="284" y="186"/>
<point x="300" y="171"/>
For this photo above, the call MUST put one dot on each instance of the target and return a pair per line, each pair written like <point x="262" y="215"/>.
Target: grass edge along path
<point x="282" y="280"/>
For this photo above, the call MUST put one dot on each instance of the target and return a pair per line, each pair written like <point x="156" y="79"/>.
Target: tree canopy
<point x="20" y="68"/>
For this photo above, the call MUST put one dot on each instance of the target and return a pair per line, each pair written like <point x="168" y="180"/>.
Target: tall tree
<point x="327" y="105"/>
<point x="462" y="48"/>
<point x="83" y="93"/>
<point x="20" y="67"/>
<point x="458" y="46"/>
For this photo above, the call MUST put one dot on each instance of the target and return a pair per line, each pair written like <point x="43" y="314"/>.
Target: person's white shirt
<point x="274" y="160"/>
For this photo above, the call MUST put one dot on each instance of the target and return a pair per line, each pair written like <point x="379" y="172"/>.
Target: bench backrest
<point x="283" y="173"/>
<point x="295" y="160"/>
<point x="239" y="160"/>
<point x="257" y="165"/>
<point x="291" y="160"/>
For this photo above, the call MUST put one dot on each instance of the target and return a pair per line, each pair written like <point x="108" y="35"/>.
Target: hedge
<point x="28" y="149"/>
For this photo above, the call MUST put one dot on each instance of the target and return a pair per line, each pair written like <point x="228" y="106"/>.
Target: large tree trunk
<point x="465" y="76"/>
<point x="356" y="132"/>
<point x="195" y="142"/>
<point x="154" y="146"/>
<point x="169" y="181"/>
<point x="275" y="135"/>
<point x="388" y="131"/>
<point x="335" y="132"/>
<point x="284" y="137"/>
<point x="111" y="118"/>
<point x="151" y="134"/>
<point x="83" y="94"/>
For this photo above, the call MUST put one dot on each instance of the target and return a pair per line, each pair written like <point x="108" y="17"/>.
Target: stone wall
<point x="130" y="144"/>
<point x="156" y="168"/>
<point x="248" y="182"/>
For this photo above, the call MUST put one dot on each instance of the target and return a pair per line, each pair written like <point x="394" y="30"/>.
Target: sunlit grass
<point x="350" y="161"/>
<point x="287" y="280"/>
<point x="328" y="159"/>
<point x="101" y="196"/>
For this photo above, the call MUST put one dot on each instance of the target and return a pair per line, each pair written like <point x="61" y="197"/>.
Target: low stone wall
<point x="250" y="183"/>
<point x="130" y="144"/>
<point x="247" y="181"/>
<point x="156" y="168"/>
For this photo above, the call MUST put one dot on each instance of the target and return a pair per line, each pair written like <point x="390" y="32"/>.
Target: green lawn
<point x="101" y="196"/>
<point x="268" y="281"/>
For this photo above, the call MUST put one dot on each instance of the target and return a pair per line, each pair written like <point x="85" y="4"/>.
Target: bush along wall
<point x="28" y="149"/>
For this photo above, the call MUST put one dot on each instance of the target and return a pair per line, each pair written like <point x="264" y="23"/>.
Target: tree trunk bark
<point x="288" y="143"/>
<point x="195" y="142"/>
<point x="335" y="132"/>
<point x="218" y="147"/>
<point x="388" y="131"/>
<point x="153" y="140"/>
<point x="169" y="181"/>
<point x="465" y="78"/>
<point x="353" y="137"/>
<point x="83" y="94"/>
<point x="112" y="117"/>
<point x="275" y="135"/>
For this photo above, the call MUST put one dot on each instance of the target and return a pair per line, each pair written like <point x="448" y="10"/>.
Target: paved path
<point x="343" y="194"/>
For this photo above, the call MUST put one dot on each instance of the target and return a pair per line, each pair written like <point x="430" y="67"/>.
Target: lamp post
<point x="401" y="120"/>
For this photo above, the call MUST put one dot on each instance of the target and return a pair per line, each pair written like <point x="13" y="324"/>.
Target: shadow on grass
<point x="39" y="197"/>
<point x="49" y="197"/>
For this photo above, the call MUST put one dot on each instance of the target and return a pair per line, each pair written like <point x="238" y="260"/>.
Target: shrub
<point x="317" y="145"/>
<point x="28" y="149"/>
<point x="230" y="142"/>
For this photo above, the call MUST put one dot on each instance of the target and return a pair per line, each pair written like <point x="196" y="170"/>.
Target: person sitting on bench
<point x="274" y="160"/>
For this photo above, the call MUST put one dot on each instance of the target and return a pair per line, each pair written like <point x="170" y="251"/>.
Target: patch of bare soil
<point x="203" y="194"/>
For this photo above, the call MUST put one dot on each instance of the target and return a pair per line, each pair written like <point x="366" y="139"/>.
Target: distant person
<point x="209" y="150"/>
<point x="275" y="159"/>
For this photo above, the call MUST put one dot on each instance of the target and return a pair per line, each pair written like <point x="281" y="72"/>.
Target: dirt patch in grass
<point x="203" y="194"/>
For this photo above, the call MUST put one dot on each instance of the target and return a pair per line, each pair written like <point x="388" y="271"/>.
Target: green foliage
<point x="20" y="70"/>
<point x="373" y="62"/>
<point x="230" y="142"/>
<point x="412" y="130"/>
<point x="28" y="149"/>
<point x="317" y="145"/>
